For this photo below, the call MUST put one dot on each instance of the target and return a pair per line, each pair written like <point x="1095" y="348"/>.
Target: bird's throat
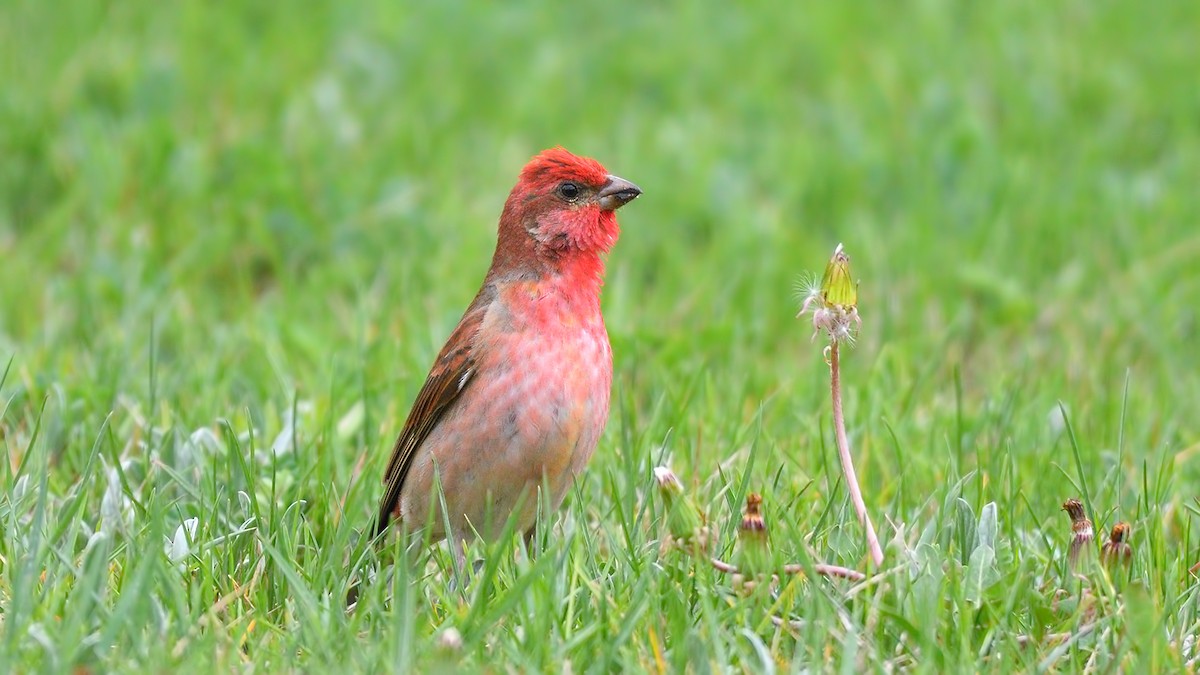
<point x="580" y="277"/>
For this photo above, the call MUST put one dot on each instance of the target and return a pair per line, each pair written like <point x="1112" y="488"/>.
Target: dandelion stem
<point x="796" y="568"/>
<point x="839" y="423"/>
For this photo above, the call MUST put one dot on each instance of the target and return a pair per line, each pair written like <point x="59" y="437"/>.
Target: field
<point x="234" y="235"/>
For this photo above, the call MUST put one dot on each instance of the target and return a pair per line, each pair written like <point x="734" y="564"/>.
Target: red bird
<point x="519" y="394"/>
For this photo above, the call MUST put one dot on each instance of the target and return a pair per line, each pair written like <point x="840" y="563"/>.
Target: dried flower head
<point x="1081" y="529"/>
<point x="754" y="549"/>
<point x="1117" y="549"/>
<point x="686" y="525"/>
<point x="834" y="303"/>
<point x="1074" y="509"/>
<point x="752" y="520"/>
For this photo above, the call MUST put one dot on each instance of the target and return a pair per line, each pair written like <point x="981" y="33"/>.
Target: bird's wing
<point x="449" y="377"/>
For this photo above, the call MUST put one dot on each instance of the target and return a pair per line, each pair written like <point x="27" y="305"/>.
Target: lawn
<point x="234" y="235"/>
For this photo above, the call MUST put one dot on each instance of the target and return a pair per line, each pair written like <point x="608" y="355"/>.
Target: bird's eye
<point x="569" y="191"/>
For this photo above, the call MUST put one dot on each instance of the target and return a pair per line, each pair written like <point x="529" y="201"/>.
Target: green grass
<point x="233" y="236"/>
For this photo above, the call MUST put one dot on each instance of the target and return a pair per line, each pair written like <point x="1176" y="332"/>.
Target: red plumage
<point x="519" y="395"/>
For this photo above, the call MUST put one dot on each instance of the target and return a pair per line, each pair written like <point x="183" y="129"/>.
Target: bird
<point x="517" y="399"/>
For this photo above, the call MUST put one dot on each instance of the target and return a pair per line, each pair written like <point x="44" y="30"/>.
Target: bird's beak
<point x="617" y="192"/>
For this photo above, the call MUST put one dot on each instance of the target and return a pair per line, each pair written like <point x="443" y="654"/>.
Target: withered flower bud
<point x="752" y="520"/>
<point x="1117" y="549"/>
<point x="754" y="549"/>
<point x="685" y="521"/>
<point x="1081" y="528"/>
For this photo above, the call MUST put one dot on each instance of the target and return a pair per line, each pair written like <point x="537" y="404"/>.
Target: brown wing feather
<point x="450" y="375"/>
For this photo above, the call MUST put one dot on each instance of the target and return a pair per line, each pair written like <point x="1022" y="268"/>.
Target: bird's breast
<point x="531" y="414"/>
<point x="557" y="361"/>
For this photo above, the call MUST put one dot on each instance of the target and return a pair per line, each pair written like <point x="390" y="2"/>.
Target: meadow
<point x="234" y="235"/>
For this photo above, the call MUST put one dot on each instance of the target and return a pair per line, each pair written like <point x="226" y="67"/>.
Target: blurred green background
<point x="217" y="210"/>
<point x="296" y="193"/>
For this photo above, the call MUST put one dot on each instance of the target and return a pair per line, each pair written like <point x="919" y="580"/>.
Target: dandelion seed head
<point x="808" y="289"/>
<point x="832" y="300"/>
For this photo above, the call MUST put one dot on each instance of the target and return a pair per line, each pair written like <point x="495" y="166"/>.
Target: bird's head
<point x="563" y="207"/>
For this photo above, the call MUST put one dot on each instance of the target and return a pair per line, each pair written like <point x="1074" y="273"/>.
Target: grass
<point x="233" y="236"/>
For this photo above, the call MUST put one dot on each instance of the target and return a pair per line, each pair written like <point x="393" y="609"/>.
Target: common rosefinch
<point x="519" y="394"/>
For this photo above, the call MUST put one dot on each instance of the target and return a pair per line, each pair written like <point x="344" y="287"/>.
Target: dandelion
<point x="686" y="524"/>
<point x="1117" y="551"/>
<point x="1081" y="529"/>
<point x="834" y="309"/>
<point x="834" y="303"/>
<point x="754" y="548"/>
